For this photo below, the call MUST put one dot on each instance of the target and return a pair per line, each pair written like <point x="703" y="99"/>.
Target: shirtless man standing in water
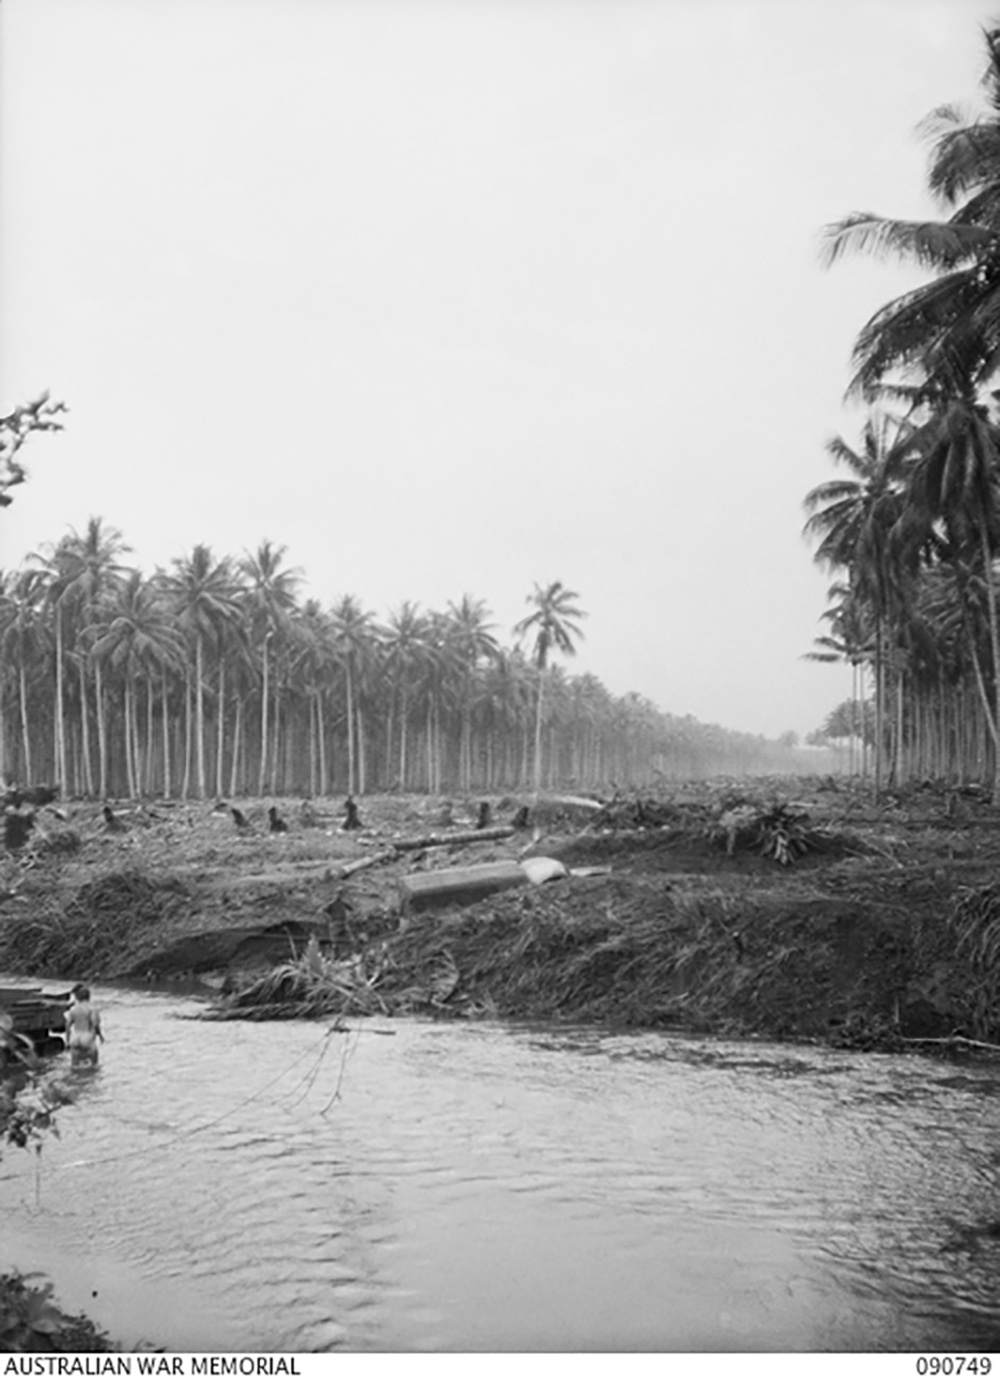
<point x="83" y="1026"/>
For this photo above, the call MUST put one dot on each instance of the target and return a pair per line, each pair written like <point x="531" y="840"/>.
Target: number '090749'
<point x="954" y="1366"/>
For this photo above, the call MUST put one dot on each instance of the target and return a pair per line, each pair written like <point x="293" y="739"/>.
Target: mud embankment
<point x="836" y="921"/>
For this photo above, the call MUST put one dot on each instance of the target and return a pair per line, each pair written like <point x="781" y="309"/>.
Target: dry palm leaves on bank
<point x="310" y="985"/>
<point x="731" y="821"/>
<point x="627" y="951"/>
<point x="960" y="962"/>
<point x="93" y="928"/>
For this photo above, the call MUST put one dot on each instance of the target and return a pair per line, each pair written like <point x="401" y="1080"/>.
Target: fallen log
<point x="951" y="1040"/>
<point x="425" y="841"/>
<point x="436" y="841"/>
<point x="456" y="886"/>
<point x="462" y="886"/>
<point x="369" y="861"/>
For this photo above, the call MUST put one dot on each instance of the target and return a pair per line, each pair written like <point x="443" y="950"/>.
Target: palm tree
<point x="938" y="347"/>
<point x="849" y="640"/>
<point x="952" y="603"/>
<point x="507" y="697"/>
<point x="312" y="663"/>
<point x="405" y="644"/>
<point x="53" y="592"/>
<point x="438" y="669"/>
<point x="23" y="636"/>
<point x="353" y="637"/>
<point x="93" y="576"/>
<point x="553" y="627"/>
<point x="856" y="522"/>
<point x="949" y="327"/>
<point x="271" y="600"/>
<point x="204" y="596"/>
<point x="468" y="632"/>
<point x="954" y="484"/>
<point x="83" y="570"/>
<point x="139" y="638"/>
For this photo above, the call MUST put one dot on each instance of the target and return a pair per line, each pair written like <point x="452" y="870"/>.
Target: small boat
<point x="34" y="1014"/>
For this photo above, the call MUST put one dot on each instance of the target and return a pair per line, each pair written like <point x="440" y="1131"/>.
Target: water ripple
<point x="489" y="1187"/>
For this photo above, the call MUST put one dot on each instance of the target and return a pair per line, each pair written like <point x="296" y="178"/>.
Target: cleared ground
<point x="791" y="908"/>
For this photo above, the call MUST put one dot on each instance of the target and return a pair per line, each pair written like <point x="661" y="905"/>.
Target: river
<point x="414" y="1186"/>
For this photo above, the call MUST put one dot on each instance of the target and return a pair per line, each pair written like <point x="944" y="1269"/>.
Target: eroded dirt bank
<point x="790" y="908"/>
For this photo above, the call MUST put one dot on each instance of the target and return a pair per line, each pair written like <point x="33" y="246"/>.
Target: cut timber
<point x="434" y="841"/>
<point x="462" y="886"/>
<point x="579" y="810"/>
<point x="369" y="861"/>
<point x="457" y="886"/>
<point x="424" y="841"/>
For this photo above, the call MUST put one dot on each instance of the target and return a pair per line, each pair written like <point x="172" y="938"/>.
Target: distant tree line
<point x="215" y="678"/>
<point x="912" y="532"/>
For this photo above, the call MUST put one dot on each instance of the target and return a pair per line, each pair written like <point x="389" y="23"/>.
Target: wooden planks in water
<point x="33" y="1011"/>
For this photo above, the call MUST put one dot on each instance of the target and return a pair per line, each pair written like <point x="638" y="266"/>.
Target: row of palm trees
<point x="913" y="532"/>
<point x="214" y="678"/>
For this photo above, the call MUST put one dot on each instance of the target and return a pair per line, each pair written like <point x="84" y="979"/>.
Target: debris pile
<point x="957" y="978"/>
<point x="776" y="831"/>
<point x="311" y="985"/>
<point x="91" y="931"/>
<point x="715" y="906"/>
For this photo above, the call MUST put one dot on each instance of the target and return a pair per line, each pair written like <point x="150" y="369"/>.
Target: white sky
<point x="459" y="295"/>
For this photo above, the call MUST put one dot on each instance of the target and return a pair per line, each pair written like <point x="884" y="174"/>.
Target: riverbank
<point x="792" y="909"/>
<point x="32" y="1321"/>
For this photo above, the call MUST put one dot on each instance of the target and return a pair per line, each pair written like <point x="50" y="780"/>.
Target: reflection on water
<point x="248" y="1186"/>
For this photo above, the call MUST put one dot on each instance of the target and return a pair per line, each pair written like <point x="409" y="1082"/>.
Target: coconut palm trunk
<point x="147" y="766"/>
<point x="361" y="751"/>
<point x="265" y="695"/>
<point x="185" y="789"/>
<point x="102" y="730"/>
<point x="879" y="709"/>
<point x="25" y="729"/>
<point x="991" y="604"/>
<point x="313" y="746"/>
<point x="321" y="737"/>
<point x="129" y="745"/>
<point x="350" y="728"/>
<point x="199" y="702"/>
<point x="403" y="712"/>
<point x="60" y="716"/>
<point x="238" y="737"/>
<point x="538" y="729"/>
<point x="164" y="700"/>
<point x="88" y="773"/>
<point x="554" y="627"/>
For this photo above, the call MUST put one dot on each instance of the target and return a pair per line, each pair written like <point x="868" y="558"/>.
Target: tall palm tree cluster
<point x="214" y="678"/>
<point x="913" y="531"/>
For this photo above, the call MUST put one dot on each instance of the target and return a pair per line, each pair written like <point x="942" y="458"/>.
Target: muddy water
<point x="416" y="1186"/>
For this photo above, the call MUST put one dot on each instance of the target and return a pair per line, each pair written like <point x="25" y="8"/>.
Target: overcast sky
<point x="460" y="295"/>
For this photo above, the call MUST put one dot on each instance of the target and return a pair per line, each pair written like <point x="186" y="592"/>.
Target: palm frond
<point x="842" y="454"/>
<point x="982" y="207"/>
<point x="832" y="492"/>
<point x="926" y="328"/>
<point x="965" y="154"/>
<point x="934" y="244"/>
<point x="991" y="77"/>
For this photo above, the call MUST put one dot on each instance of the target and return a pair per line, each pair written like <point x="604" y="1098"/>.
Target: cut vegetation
<point x="783" y="908"/>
